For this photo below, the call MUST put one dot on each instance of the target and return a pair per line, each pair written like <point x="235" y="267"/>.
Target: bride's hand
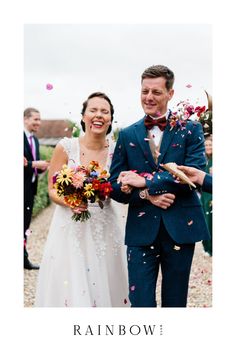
<point x="131" y="178"/>
<point x="79" y="209"/>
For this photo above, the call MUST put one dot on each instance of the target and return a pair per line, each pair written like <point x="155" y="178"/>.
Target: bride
<point x="84" y="264"/>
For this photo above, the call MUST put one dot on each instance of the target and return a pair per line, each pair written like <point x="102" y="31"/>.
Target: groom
<point x="157" y="235"/>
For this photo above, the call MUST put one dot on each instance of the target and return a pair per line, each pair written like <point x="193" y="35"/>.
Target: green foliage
<point x="75" y="129"/>
<point x="46" y="152"/>
<point x="42" y="199"/>
<point x="116" y="133"/>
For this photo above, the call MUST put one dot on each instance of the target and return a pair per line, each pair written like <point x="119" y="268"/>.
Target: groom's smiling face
<point x="155" y="96"/>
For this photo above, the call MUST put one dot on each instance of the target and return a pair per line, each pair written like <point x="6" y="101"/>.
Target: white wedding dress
<point x="84" y="263"/>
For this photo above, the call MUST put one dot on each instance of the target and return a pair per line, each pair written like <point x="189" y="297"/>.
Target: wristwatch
<point x="143" y="193"/>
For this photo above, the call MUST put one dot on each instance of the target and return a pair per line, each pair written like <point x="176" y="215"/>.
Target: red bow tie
<point x="149" y="122"/>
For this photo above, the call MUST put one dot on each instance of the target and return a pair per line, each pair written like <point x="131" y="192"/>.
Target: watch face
<point x="142" y="194"/>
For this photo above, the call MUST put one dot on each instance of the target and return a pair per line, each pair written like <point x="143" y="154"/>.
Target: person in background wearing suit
<point x="156" y="236"/>
<point x="32" y="166"/>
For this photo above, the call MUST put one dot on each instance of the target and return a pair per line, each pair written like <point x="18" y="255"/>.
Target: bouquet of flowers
<point x="82" y="185"/>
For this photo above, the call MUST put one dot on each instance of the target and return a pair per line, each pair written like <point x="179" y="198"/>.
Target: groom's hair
<point x="85" y="104"/>
<point x="160" y="71"/>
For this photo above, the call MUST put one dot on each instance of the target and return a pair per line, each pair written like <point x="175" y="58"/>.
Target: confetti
<point x="125" y="301"/>
<point x="188" y="86"/>
<point x="132" y="144"/>
<point x="146" y="139"/>
<point x="132" y="288"/>
<point x="190" y="222"/>
<point x="177" y="248"/>
<point x="141" y="214"/>
<point x="49" y="86"/>
<point x="28" y="232"/>
<point x="144" y="254"/>
<point x="152" y="247"/>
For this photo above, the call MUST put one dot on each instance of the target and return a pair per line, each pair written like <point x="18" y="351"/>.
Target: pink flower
<point x="78" y="179"/>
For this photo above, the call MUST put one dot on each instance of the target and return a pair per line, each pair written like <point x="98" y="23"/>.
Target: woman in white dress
<point x="84" y="263"/>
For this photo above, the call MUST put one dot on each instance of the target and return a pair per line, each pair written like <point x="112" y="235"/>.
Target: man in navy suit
<point x="158" y="235"/>
<point x="32" y="166"/>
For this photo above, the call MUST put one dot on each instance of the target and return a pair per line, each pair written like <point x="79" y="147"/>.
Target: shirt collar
<point x="28" y="134"/>
<point x="164" y="115"/>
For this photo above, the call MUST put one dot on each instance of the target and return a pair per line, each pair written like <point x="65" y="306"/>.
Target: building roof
<point x="52" y="130"/>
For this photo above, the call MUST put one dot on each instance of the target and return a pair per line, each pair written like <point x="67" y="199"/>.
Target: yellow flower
<point x="89" y="191"/>
<point x="65" y="175"/>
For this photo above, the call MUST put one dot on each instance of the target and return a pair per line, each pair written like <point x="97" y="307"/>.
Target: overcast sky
<point x="80" y="59"/>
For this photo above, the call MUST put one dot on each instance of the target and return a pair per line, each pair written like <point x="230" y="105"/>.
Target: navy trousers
<point x="144" y="262"/>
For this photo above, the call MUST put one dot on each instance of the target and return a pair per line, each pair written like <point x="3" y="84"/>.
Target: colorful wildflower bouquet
<point x="82" y="185"/>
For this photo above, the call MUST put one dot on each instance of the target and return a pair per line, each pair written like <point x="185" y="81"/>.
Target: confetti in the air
<point x="49" y="86"/>
<point x="190" y="222"/>
<point x="141" y="214"/>
<point x="28" y="232"/>
<point x="132" y="288"/>
<point x="188" y="86"/>
<point x="132" y="144"/>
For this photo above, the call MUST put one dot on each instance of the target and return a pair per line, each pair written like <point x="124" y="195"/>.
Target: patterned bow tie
<point x="149" y="122"/>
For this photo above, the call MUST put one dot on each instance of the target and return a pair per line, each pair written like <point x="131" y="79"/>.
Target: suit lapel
<point x="27" y="145"/>
<point x="166" y="140"/>
<point x="142" y="137"/>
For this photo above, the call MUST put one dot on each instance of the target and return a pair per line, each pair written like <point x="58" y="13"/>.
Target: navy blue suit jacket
<point x="28" y="170"/>
<point x="207" y="184"/>
<point x="184" y="220"/>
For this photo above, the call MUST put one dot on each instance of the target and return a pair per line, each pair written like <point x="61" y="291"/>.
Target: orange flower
<point x="73" y="200"/>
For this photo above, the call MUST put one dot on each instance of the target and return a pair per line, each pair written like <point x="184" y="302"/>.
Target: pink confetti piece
<point x="28" y="232"/>
<point x="66" y="304"/>
<point x="190" y="222"/>
<point x="209" y="282"/>
<point x="49" y="86"/>
<point x="125" y="301"/>
<point x="188" y="86"/>
<point x="132" y="144"/>
<point x="141" y="214"/>
<point x="132" y="288"/>
<point x="146" y="139"/>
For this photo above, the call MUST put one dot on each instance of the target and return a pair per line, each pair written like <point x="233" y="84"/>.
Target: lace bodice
<point x="72" y="148"/>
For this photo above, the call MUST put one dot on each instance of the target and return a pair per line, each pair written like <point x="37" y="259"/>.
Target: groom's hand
<point x="163" y="201"/>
